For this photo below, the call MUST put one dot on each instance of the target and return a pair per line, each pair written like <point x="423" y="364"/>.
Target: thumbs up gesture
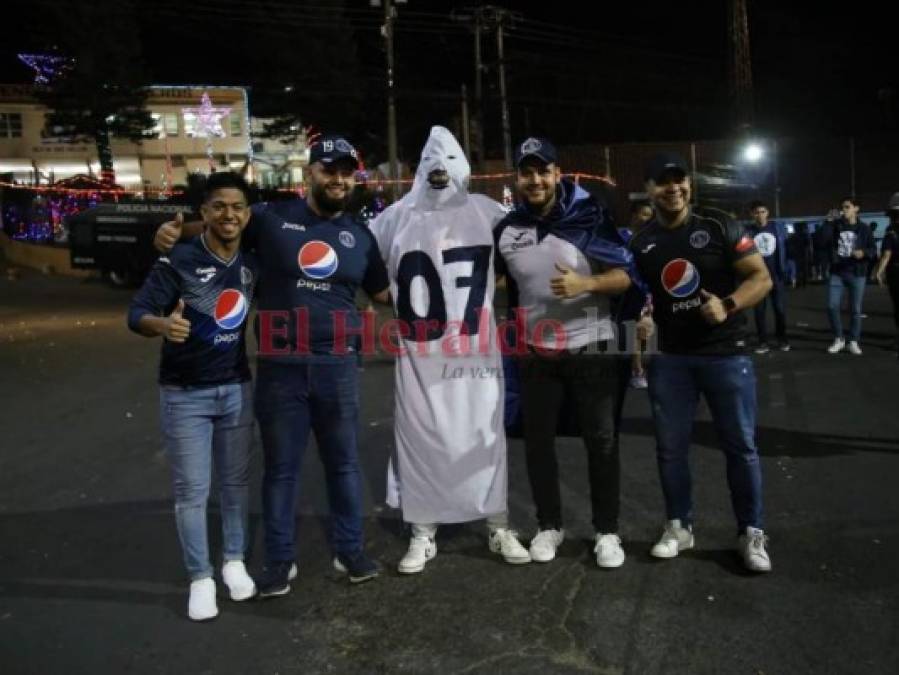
<point x="569" y="283"/>
<point x="712" y="309"/>
<point x="177" y="328"/>
<point x="168" y="234"/>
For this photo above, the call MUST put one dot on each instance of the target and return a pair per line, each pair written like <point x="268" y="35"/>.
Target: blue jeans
<point x="197" y="425"/>
<point x="728" y="385"/>
<point x="837" y="284"/>
<point x="291" y="400"/>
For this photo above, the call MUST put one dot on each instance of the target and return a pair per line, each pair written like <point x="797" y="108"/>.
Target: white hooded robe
<point x="450" y="461"/>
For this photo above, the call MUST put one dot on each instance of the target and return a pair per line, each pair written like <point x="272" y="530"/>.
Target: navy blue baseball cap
<point x="660" y="165"/>
<point x="540" y="148"/>
<point x="330" y="149"/>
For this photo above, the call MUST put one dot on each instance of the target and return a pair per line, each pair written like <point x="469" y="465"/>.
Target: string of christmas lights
<point x="46" y="66"/>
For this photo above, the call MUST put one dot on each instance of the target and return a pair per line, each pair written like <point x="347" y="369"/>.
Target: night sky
<point x="629" y="72"/>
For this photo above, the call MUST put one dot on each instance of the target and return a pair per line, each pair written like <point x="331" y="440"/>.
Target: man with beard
<point x="702" y="271"/>
<point x="563" y="259"/>
<point x="450" y="461"/>
<point x="313" y="258"/>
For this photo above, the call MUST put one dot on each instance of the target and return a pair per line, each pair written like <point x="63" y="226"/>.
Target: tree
<point x="103" y="94"/>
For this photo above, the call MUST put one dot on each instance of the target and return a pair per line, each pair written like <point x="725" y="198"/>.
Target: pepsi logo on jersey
<point x="681" y="279"/>
<point x="231" y="309"/>
<point x="318" y="260"/>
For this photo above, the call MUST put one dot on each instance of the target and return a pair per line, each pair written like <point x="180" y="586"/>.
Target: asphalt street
<point x="91" y="579"/>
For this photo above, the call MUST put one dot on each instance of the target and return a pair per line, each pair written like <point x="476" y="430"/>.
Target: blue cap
<point x="330" y="149"/>
<point x="540" y="148"/>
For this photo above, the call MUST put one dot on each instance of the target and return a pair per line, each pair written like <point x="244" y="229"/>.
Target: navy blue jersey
<point x="217" y="295"/>
<point x="311" y="268"/>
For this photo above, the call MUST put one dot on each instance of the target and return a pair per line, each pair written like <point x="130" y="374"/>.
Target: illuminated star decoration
<point x="208" y="124"/>
<point x="209" y="118"/>
<point x="46" y="66"/>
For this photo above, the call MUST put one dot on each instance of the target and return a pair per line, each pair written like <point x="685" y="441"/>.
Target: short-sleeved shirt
<point x="530" y="264"/>
<point x="217" y="294"/>
<point x="677" y="264"/>
<point x="311" y="268"/>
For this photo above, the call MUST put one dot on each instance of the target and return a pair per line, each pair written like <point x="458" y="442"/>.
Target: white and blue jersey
<point x="311" y="270"/>
<point x="217" y="294"/>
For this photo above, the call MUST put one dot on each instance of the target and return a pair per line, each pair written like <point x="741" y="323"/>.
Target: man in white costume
<point x="450" y="461"/>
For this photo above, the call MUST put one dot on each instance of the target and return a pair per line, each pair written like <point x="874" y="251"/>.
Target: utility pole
<point x="507" y="131"/>
<point x="466" y="135"/>
<point x="480" y="19"/>
<point x="479" y="89"/>
<point x="387" y="31"/>
<point x="740" y="75"/>
<point x="475" y="21"/>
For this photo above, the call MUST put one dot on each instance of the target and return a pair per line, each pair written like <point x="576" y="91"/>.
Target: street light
<point x="753" y="153"/>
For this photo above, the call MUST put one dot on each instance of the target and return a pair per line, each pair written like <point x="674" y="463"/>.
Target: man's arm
<point x="882" y="265"/>
<point x="171" y="232"/>
<point x="157" y="308"/>
<point x="755" y="285"/>
<point x="570" y="284"/>
<point x="174" y="327"/>
<point x="382" y="297"/>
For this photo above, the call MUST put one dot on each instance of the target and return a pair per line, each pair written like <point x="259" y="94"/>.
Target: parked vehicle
<point x="117" y="238"/>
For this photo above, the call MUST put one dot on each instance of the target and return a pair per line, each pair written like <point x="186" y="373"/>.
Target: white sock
<point x="428" y="530"/>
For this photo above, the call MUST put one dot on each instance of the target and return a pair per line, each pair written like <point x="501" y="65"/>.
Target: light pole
<point x="387" y="32"/>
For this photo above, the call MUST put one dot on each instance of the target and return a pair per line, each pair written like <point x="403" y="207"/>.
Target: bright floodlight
<point x="753" y="152"/>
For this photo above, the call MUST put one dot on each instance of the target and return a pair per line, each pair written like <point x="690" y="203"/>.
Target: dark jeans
<point x="776" y="296"/>
<point x="588" y="382"/>
<point x="291" y="400"/>
<point x="728" y="385"/>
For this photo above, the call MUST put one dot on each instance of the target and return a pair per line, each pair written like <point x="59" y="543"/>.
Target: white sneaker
<point x="239" y="583"/>
<point x="751" y="547"/>
<point x="674" y="540"/>
<point x="292" y="572"/>
<point x="608" y="550"/>
<point x="421" y="550"/>
<point x="837" y="346"/>
<point x="639" y="382"/>
<point x="505" y="542"/>
<point x="854" y="348"/>
<point x="201" y="606"/>
<point x="544" y="545"/>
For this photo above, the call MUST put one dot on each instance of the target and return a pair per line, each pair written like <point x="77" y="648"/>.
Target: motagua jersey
<point x="311" y="270"/>
<point x="217" y="295"/>
<point x="677" y="264"/>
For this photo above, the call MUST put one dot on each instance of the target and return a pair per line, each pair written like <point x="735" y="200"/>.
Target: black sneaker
<point x="275" y="579"/>
<point x="358" y="565"/>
